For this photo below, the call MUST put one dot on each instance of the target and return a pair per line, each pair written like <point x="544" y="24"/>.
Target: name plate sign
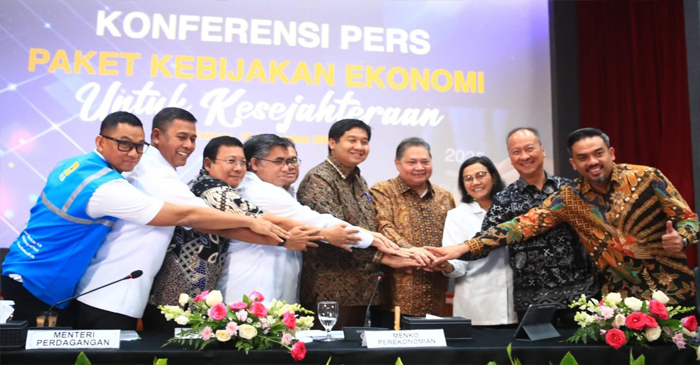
<point x="72" y="339"/>
<point x="410" y="338"/>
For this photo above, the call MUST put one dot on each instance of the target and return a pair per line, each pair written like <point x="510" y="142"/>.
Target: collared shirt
<point x="551" y="267"/>
<point x="131" y="246"/>
<point x="330" y="273"/>
<point x="411" y="220"/>
<point x="195" y="259"/>
<point x="621" y="231"/>
<point x="484" y="287"/>
<point x="271" y="270"/>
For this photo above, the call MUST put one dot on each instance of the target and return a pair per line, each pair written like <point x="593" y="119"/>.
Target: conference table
<point x="487" y="344"/>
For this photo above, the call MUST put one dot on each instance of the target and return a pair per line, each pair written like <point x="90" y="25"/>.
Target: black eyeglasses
<point x="290" y="161"/>
<point x="478" y="177"/>
<point x="241" y="163"/>
<point x="127" y="146"/>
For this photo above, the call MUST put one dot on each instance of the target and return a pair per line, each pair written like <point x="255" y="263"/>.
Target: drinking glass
<point x="328" y="315"/>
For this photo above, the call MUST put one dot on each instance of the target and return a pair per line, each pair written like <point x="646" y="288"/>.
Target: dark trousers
<point x="91" y="318"/>
<point x="154" y="320"/>
<point x="28" y="307"/>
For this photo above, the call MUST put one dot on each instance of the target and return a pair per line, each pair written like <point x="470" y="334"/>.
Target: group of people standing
<point x="239" y="226"/>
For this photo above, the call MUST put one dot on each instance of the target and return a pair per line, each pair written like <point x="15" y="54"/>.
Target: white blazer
<point x="484" y="287"/>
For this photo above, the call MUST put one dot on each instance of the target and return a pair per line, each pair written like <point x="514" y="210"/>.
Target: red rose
<point x="636" y="320"/>
<point x="690" y="323"/>
<point x="258" y="309"/>
<point x="256" y="297"/>
<point x="201" y="296"/>
<point x="299" y="351"/>
<point x="289" y="320"/>
<point x="651" y="322"/>
<point x="615" y="338"/>
<point x="658" y="309"/>
<point x="218" y="312"/>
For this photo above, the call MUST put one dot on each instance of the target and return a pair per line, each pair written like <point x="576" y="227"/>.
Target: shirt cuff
<point x="366" y="238"/>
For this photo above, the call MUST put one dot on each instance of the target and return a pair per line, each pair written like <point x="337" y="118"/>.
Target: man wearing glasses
<point x="550" y="268"/>
<point x="275" y="271"/>
<point x="83" y="198"/>
<point x="292" y="170"/>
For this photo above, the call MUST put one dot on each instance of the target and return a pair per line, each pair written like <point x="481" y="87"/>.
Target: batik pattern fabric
<point x="550" y="268"/>
<point x="410" y="220"/>
<point x="195" y="259"/>
<point x="621" y="231"/>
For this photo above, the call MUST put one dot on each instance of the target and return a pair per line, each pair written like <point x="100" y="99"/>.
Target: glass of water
<point x="328" y="315"/>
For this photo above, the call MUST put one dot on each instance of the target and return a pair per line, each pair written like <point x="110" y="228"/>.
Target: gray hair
<point x="259" y="145"/>
<point x="411" y="142"/>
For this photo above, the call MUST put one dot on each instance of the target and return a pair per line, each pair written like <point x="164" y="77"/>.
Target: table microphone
<point x="368" y="319"/>
<point x="133" y="275"/>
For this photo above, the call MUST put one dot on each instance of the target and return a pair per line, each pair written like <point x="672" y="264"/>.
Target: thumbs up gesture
<point x="672" y="241"/>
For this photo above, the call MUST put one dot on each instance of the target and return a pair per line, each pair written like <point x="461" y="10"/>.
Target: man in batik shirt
<point x="631" y="220"/>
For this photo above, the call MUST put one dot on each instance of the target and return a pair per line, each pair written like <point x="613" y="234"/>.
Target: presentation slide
<point x="459" y="74"/>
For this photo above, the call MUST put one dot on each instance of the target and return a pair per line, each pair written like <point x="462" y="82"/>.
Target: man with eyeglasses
<point x="550" y="268"/>
<point x="292" y="170"/>
<point x="130" y="246"/>
<point x="83" y="198"/>
<point x="275" y="270"/>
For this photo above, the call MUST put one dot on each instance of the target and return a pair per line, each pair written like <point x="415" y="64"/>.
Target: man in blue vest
<point x="82" y="199"/>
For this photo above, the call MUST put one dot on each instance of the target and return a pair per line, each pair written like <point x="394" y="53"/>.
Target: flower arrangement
<point x="250" y="323"/>
<point x="632" y="321"/>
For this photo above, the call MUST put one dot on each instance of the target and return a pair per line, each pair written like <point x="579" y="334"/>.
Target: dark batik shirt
<point x="621" y="231"/>
<point x="552" y="267"/>
<point x="195" y="259"/>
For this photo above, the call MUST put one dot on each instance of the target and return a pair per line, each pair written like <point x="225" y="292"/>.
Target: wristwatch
<point x="284" y="242"/>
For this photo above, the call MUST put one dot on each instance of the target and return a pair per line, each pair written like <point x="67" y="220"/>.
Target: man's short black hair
<point x="259" y="145"/>
<point x="340" y="127"/>
<point x="533" y="130"/>
<point x="110" y="122"/>
<point x="582" y="133"/>
<point x="411" y="142"/>
<point x="212" y="148"/>
<point x="165" y="117"/>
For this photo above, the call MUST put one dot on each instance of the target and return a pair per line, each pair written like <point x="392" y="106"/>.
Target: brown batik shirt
<point x="413" y="221"/>
<point x="329" y="273"/>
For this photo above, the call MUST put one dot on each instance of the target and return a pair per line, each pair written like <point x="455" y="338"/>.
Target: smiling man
<point x="631" y="220"/>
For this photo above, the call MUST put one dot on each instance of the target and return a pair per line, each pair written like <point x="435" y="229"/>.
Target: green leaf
<point x="329" y="360"/>
<point x="398" y="361"/>
<point x="568" y="359"/>
<point x="639" y="361"/>
<point x="157" y="361"/>
<point x="490" y="363"/>
<point x="512" y="362"/>
<point x="82" y="359"/>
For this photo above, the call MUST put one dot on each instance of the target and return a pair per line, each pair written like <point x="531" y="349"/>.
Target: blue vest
<point x="53" y="251"/>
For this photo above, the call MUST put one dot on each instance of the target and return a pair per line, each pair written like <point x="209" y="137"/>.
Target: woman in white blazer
<point x="484" y="287"/>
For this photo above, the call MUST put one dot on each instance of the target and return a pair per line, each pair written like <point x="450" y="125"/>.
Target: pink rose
<point x="238" y="305"/>
<point x="258" y="309"/>
<point x="232" y="328"/>
<point x="651" y="322"/>
<point x="690" y="323"/>
<point x="218" y="312"/>
<point x="606" y="312"/>
<point x="658" y="309"/>
<point x="615" y="338"/>
<point x="678" y="339"/>
<point x="256" y="297"/>
<point x="298" y="351"/>
<point x="242" y="315"/>
<point x="289" y="320"/>
<point x="201" y="296"/>
<point x="207" y="333"/>
<point x="636" y="321"/>
<point x="286" y="339"/>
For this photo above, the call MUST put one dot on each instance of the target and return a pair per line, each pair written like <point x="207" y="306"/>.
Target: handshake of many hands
<point x="301" y="238"/>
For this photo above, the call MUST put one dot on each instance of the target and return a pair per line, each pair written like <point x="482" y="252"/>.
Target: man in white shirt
<point x="269" y="270"/>
<point x="132" y="246"/>
<point x="82" y="199"/>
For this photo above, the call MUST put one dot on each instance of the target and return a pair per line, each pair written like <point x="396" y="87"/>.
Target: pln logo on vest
<point x="68" y="171"/>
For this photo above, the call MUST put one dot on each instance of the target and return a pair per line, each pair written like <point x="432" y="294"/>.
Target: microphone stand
<point x="368" y="319"/>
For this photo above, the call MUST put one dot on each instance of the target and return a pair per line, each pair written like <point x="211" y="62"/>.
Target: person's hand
<point x="300" y="238"/>
<point x="341" y="237"/>
<point x="422" y="256"/>
<point x="386" y="246"/>
<point x="672" y="241"/>
<point x="267" y="228"/>
<point x="397" y="262"/>
<point x="445" y="267"/>
<point x="447" y="253"/>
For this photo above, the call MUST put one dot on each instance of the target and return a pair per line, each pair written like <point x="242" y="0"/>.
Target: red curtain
<point x="634" y="84"/>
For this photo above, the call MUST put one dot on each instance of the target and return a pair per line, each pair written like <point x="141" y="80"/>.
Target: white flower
<point x="582" y="318"/>
<point x="182" y="320"/>
<point x="633" y="304"/>
<point x="619" y="321"/>
<point x="688" y="333"/>
<point x="305" y="322"/>
<point x="247" y="331"/>
<point x="652" y="334"/>
<point x="184" y="298"/>
<point x="214" y="298"/>
<point x="659" y="296"/>
<point x="222" y="335"/>
<point x="613" y="298"/>
<point x="606" y="312"/>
